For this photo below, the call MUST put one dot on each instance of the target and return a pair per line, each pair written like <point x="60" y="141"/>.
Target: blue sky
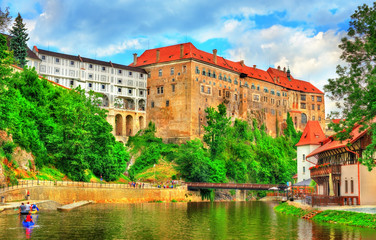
<point x="302" y="35"/>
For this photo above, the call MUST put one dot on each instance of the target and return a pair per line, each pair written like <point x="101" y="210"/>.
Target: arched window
<point x="304" y="118"/>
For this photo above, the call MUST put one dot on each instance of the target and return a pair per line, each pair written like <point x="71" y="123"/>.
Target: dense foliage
<point x="18" y="42"/>
<point x="242" y="153"/>
<point x="148" y="149"/>
<point x="355" y="87"/>
<point x="61" y="127"/>
<point x="5" y="20"/>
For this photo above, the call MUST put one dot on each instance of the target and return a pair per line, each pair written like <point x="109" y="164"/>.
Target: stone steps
<point x="74" y="205"/>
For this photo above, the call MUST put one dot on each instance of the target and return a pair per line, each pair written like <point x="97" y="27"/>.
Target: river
<point x="219" y="220"/>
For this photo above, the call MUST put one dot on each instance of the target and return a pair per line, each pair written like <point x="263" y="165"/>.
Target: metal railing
<point x="34" y="183"/>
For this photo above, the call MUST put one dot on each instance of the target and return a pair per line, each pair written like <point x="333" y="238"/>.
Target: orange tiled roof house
<point x="183" y="81"/>
<point x="339" y="176"/>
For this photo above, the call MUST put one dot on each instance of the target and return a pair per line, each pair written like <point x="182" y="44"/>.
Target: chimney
<point x="215" y="55"/>
<point x="241" y="62"/>
<point x="279" y="68"/>
<point x="134" y="59"/>
<point x="181" y="50"/>
<point x="254" y="66"/>
<point x="284" y="69"/>
<point x="157" y="60"/>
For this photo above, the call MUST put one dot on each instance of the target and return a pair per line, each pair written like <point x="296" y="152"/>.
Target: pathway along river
<point x="220" y="220"/>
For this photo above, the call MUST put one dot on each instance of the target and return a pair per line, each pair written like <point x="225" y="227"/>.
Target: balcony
<point x="324" y="170"/>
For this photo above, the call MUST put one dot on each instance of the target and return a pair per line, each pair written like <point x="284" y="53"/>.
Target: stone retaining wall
<point x="65" y="195"/>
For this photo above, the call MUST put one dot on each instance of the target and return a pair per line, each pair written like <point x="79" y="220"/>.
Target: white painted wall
<point x="302" y="163"/>
<point x="109" y="81"/>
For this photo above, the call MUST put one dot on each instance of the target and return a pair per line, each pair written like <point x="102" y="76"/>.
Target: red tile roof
<point x="312" y="134"/>
<point x="330" y="143"/>
<point x="172" y="53"/>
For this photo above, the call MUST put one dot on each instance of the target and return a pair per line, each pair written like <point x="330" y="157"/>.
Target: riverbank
<point x="349" y="218"/>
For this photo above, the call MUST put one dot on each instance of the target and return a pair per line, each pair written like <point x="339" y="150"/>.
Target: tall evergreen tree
<point x="18" y="41"/>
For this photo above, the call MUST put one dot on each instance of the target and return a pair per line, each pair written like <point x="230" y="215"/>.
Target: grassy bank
<point x="332" y="216"/>
<point x="290" y="210"/>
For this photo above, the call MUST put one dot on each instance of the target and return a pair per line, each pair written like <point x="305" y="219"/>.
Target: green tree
<point x="18" y="41"/>
<point x="5" y="20"/>
<point x="216" y="130"/>
<point x="355" y="86"/>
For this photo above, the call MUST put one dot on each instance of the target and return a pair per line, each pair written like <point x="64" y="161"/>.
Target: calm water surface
<point x="225" y="220"/>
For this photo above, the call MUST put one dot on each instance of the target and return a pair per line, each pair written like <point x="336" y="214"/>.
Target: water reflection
<point x="230" y="220"/>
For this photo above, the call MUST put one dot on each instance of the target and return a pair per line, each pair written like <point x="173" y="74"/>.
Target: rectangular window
<point x="173" y="87"/>
<point x="227" y="94"/>
<point x="318" y="107"/>
<point x="103" y="86"/>
<point x="197" y="70"/>
<point x="319" y="99"/>
<point x="303" y="106"/>
<point x="303" y="170"/>
<point x="302" y="97"/>
<point x="208" y="90"/>
<point x="90" y="75"/>
<point x="72" y="63"/>
<point x="256" y="98"/>
<point x="160" y="73"/>
<point x="167" y="103"/>
<point x="313" y="118"/>
<point x="219" y="93"/>
<point x="352" y="186"/>
<point x="43" y="57"/>
<point x="119" y="90"/>
<point x="278" y="93"/>
<point x="160" y="90"/>
<point x="120" y="81"/>
<point x="172" y="71"/>
<point x="209" y="73"/>
<point x="313" y="98"/>
<point x="313" y="106"/>
<point x="346" y="186"/>
<point x="90" y="65"/>
<point x="236" y="97"/>
<point x="130" y="74"/>
<point x="253" y="86"/>
<point x="202" y="88"/>
<point x="71" y="82"/>
<point x="103" y="68"/>
<point x="319" y="118"/>
<point x="272" y="91"/>
<point x="148" y="91"/>
<point x="203" y="72"/>
<point x="119" y="71"/>
<point x="258" y="87"/>
<point x="152" y="104"/>
<point x="130" y="91"/>
<point x="303" y="157"/>
<point x="57" y="60"/>
<point x="57" y="70"/>
<point x="184" y="69"/>
<point x="141" y="75"/>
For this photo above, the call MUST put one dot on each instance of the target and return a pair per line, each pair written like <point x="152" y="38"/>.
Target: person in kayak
<point x="29" y="218"/>
<point x="23" y="209"/>
<point x="34" y="207"/>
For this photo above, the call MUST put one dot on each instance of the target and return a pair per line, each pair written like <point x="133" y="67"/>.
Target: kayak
<point x="34" y="211"/>
<point x="27" y="224"/>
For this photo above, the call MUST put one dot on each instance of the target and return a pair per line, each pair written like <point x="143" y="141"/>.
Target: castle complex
<point x="172" y="86"/>
<point x="183" y="81"/>
<point x="122" y="88"/>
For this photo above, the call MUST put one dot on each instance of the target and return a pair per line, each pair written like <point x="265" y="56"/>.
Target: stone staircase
<point x="311" y="214"/>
